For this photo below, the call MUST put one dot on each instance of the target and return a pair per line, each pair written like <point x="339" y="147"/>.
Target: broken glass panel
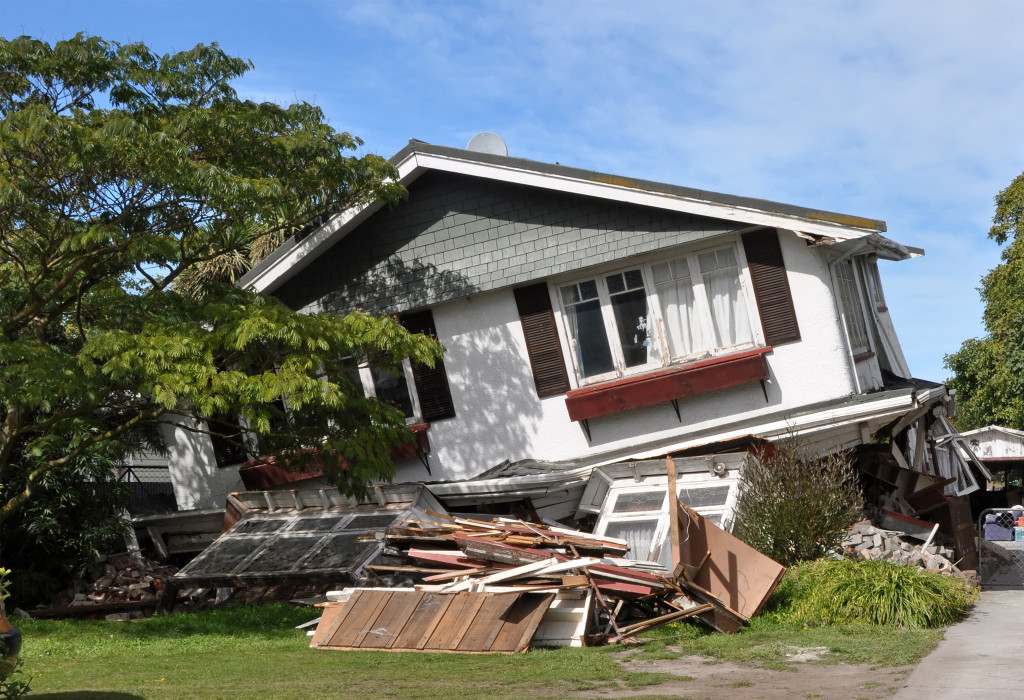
<point x="281" y="554"/>
<point x="705" y="497"/>
<point x="372" y="521"/>
<point x="639" y="502"/>
<point x="341" y="551"/>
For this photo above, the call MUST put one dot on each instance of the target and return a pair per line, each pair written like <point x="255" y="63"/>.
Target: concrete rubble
<point x="866" y="541"/>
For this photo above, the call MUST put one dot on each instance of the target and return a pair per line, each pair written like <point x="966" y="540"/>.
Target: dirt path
<point x="700" y="678"/>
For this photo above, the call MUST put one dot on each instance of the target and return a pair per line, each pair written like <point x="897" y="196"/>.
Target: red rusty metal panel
<point x="668" y="384"/>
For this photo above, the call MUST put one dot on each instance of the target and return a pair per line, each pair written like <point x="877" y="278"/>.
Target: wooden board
<point x="734" y="572"/>
<point x="410" y="620"/>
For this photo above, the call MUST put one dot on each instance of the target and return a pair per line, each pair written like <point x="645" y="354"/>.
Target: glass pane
<point x="662" y="273"/>
<point x="343" y="550"/>
<point x="282" y="554"/>
<point x="634" y="279"/>
<point x="616" y="284"/>
<point x="728" y="309"/>
<point x="372" y="521"/>
<point x="639" y="502"/>
<point x="853" y="312"/>
<point x="682" y="322"/>
<point x="704" y="497"/>
<point x="256" y="526"/>
<point x="391" y="388"/>
<point x="586" y="326"/>
<point x="638" y="533"/>
<point x="630" y="311"/>
<point x="588" y="289"/>
<point x="316" y="523"/>
<point x="570" y="294"/>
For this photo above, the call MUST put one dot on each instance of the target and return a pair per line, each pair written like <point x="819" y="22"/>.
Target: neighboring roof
<point x="419" y="157"/>
<point x="995" y="429"/>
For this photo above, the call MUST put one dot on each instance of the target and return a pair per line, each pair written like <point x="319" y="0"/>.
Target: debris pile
<point x="121" y="587"/>
<point x="499" y="586"/>
<point x="866" y="541"/>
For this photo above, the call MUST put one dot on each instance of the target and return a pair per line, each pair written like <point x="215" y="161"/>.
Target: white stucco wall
<point x="499" y="416"/>
<point x="197" y="480"/>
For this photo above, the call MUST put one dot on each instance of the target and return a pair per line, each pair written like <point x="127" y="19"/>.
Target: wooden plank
<point x="391" y="621"/>
<point x="673" y="511"/>
<point x="364" y="607"/>
<point x="332" y="612"/>
<point x="451" y="628"/>
<point x="488" y="622"/>
<point x="522" y="621"/>
<point x="332" y="630"/>
<point x="430" y="610"/>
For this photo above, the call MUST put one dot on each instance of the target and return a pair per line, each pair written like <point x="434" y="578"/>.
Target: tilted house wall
<point x="485" y="253"/>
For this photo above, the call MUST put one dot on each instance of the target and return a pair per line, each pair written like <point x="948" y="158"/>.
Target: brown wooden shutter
<point x="431" y="383"/>
<point x="542" y="340"/>
<point x="771" y="287"/>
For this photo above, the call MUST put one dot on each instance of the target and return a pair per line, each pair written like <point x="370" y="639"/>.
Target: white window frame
<point x="370" y="388"/>
<point x="661" y="535"/>
<point x="855" y="293"/>
<point x="662" y="356"/>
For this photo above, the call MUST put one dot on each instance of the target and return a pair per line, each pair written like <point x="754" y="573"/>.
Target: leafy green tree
<point x="134" y="187"/>
<point x="988" y="373"/>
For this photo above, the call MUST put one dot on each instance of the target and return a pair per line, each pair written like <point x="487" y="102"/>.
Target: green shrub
<point x="841" y="591"/>
<point x="795" y="507"/>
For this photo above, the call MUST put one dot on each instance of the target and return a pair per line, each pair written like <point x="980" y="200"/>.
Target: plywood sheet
<point x="729" y="569"/>
<point x="410" y="620"/>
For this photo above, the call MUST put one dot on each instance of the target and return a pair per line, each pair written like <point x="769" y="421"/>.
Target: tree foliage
<point x="134" y="188"/>
<point x="988" y="373"/>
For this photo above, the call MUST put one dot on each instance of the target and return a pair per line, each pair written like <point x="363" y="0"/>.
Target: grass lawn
<point x="256" y="652"/>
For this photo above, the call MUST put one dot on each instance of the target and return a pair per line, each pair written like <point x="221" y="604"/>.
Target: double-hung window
<point x="608" y="323"/>
<point x="851" y="307"/>
<point x="390" y="387"/>
<point x="684" y="308"/>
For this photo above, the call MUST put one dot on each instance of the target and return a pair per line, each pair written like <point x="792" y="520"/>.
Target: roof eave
<point x="417" y="157"/>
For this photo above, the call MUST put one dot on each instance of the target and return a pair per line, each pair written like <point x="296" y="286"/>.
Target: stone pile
<point x="122" y="587"/>
<point x="866" y="541"/>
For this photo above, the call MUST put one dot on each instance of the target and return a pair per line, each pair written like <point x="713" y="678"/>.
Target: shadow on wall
<point x="496" y="404"/>
<point x="397" y="286"/>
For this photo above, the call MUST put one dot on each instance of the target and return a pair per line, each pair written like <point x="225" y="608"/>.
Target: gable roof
<point x="419" y="157"/>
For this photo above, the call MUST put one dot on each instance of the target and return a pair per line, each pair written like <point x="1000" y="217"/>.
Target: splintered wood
<point x="497" y="587"/>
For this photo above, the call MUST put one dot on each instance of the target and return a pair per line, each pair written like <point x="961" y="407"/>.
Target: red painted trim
<point x="667" y="384"/>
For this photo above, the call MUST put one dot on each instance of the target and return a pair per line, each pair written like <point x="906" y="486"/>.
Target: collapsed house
<point x="593" y="325"/>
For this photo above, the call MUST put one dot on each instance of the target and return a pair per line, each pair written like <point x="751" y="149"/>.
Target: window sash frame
<point x="370" y="388"/>
<point x="656" y="322"/>
<point x="853" y="289"/>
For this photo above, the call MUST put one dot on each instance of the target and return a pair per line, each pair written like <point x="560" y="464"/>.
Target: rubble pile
<point x="121" y="587"/>
<point x="503" y="583"/>
<point x="867" y="541"/>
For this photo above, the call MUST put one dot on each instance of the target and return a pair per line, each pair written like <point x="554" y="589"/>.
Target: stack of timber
<point x="499" y="586"/>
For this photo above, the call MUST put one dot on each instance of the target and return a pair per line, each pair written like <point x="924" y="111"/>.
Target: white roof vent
<point x="486" y="142"/>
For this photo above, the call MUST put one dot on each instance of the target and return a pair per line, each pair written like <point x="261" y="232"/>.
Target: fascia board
<point x="884" y="410"/>
<point x="598" y="187"/>
<point x="794" y="426"/>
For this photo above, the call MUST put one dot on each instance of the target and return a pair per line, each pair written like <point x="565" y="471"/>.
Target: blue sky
<point x="907" y="111"/>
